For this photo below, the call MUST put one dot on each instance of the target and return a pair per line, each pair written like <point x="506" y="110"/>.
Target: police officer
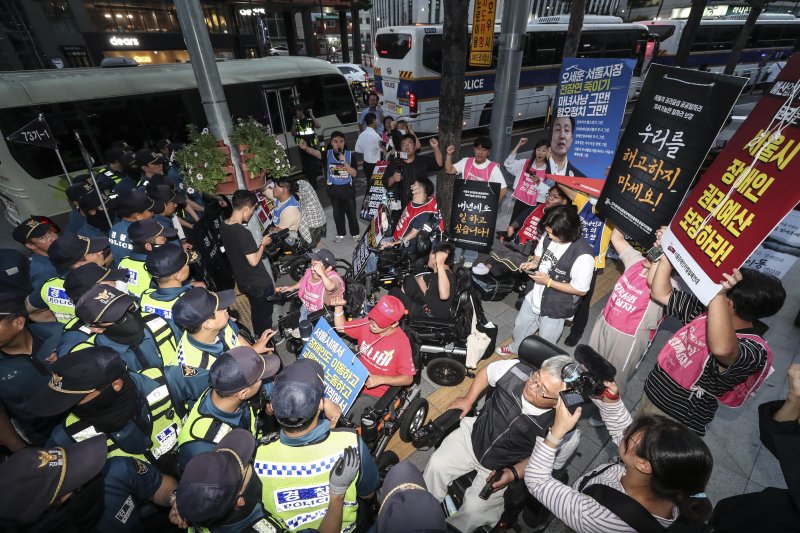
<point x="140" y="413"/>
<point x="116" y="170"/>
<point x="173" y="200"/>
<point x="113" y="317"/>
<point x="25" y="351"/>
<point x="208" y="330"/>
<point x="76" y="284"/>
<point x="236" y="377"/>
<point x="220" y="491"/>
<point x="67" y="253"/>
<point x="297" y="402"/>
<point x="149" y="163"/>
<point x="37" y="237"/>
<point x="144" y="236"/>
<point x="54" y="488"/>
<point x="169" y="267"/>
<point x="92" y="207"/>
<point x="304" y="128"/>
<point x="130" y="207"/>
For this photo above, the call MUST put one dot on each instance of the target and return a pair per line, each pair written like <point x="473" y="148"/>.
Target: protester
<point x="772" y="509"/>
<point x="339" y="169"/>
<point x="114" y="319"/>
<point x="431" y="294"/>
<point x="561" y="270"/>
<point x="500" y="439"/>
<point x="320" y="283"/>
<point x="724" y="335"/>
<point x="478" y="168"/>
<point x="659" y="482"/>
<point x="368" y="145"/>
<point x="247" y="259"/>
<point x="375" y="109"/>
<point x="422" y="210"/>
<point x="286" y="213"/>
<point x="383" y="348"/>
<point x="25" y="354"/>
<point x="297" y="402"/>
<point x="530" y="186"/>
<point x="402" y="171"/>
<point x="235" y="378"/>
<point x="388" y="147"/>
<point x="313" y="222"/>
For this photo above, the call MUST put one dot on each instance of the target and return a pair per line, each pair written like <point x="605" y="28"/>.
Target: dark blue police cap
<point x="168" y="259"/>
<point x="198" y="305"/>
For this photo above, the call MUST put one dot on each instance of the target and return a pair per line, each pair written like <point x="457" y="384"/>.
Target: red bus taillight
<point x="412" y="102"/>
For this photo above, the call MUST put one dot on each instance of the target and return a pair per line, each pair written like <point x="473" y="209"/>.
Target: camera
<point x="584" y="378"/>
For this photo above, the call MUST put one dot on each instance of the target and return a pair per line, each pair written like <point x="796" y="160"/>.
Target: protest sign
<point x="780" y="250"/>
<point x="263" y="213"/>
<point x="525" y="189"/>
<point x="590" y="104"/>
<point x="748" y="189"/>
<point x="371" y="238"/>
<point x="482" y="38"/>
<point x="376" y="192"/>
<point x="474" y="214"/>
<point x="344" y="373"/>
<point x="676" y="119"/>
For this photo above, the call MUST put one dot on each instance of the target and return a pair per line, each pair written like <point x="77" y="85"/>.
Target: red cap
<point x="387" y="311"/>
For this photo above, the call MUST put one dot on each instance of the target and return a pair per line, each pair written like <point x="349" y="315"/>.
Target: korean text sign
<point x="676" y="119"/>
<point x="376" y="192"/>
<point x="592" y="93"/>
<point x="344" y="373"/>
<point x="474" y="214"/>
<point x="749" y="188"/>
<point x="371" y="238"/>
<point x="482" y="39"/>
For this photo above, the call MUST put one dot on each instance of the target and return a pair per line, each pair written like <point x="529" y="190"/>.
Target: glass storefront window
<point x="132" y="15"/>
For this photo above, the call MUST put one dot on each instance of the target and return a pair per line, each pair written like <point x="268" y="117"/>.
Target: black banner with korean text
<point x="676" y="119"/>
<point x="474" y="214"/>
<point x="36" y="132"/>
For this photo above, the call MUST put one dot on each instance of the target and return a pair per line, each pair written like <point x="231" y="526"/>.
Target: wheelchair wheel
<point x="413" y="419"/>
<point x="446" y="372"/>
<point x="386" y="460"/>
<point x="298" y="267"/>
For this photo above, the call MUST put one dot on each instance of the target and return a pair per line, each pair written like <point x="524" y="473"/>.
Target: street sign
<point x="35" y="132"/>
<point x="482" y="40"/>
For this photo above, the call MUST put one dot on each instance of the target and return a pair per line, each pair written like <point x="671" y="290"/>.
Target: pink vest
<point x="525" y="190"/>
<point x="312" y="294"/>
<point x="530" y="228"/>
<point x="684" y="357"/>
<point x="629" y="300"/>
<point x="471" y="172"/>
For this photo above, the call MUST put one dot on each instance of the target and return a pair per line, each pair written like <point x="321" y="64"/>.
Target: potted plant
<point x="206" y="164"/>
<point x="261" y="154"/>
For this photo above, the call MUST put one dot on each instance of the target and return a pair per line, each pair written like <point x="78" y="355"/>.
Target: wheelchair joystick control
<point x="305" y="328"/>
<point x="369" y="426"/>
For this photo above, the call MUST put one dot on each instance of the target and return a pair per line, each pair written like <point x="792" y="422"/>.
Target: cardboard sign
<point x="676" y="119"/>
<point x="345" y="375"/>
<point x="376" y="192"/>
<point x="745" y="193"/>
<point x="474" y="214"/>
<point x="482" y="39"/>
<point x="590" y="105"/>
<point x="779" y="252"/>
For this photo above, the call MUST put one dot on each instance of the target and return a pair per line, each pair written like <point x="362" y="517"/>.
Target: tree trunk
<point x="689" y="32"/>
<point x="451" y="99"/>
<point x="756" y="7"/>
<point x="577" y="10"/>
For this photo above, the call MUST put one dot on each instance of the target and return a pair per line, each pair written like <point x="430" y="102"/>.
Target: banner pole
<point x="88" y="161"/>
<point x="63" y="166"/>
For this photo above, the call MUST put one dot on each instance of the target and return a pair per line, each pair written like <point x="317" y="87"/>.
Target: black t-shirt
<point x="439" y="308"/>
<point x="239" y="243"/>
<point x="422" y="165"/>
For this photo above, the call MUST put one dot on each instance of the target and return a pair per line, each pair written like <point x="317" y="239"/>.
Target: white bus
<point x="774" y="38"/>
<point x="141" y="105"/>
<point x="408" y="68"/>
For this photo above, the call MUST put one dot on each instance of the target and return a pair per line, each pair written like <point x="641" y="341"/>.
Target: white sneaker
<point x="467" y="264"/>
<point x="480" y="269"/>
<point x="505" y="351"/>
<point x="338" y="238"/>
<point x="356" y="238"/>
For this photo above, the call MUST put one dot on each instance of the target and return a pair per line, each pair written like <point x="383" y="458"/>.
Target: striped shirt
<point x="696" y="408"/>
<point x="579" y="511"/>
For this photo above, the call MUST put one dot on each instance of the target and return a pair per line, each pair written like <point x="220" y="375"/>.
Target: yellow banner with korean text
<point x="481" y="41"/>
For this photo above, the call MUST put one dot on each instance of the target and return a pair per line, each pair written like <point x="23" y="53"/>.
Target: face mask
<point x="403" y="132"/>
<point x="98" y="220"/>
<point x="81" y="512"/>
<point x="128" y="330"/>
<point x="111" y="409"/>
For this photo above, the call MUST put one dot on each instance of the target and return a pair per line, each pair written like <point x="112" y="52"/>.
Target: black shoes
<point x="573" y="339"/>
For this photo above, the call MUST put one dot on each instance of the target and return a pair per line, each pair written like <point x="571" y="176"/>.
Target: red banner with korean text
<point x="749" y="188"/>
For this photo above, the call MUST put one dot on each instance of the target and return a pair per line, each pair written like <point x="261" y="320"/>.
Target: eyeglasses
<point x="540" y="390"/>
<point x="553" y="195"/>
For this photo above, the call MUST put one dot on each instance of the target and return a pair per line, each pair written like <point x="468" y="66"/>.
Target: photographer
<point x="659" y="481"/>
<point x="339" y="170"/>
<point x="497" y="442"/>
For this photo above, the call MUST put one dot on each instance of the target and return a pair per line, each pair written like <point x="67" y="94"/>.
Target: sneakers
<point x="573" y="339"/>
<point x="505" y="351"/>
<point x="467" y="264"/>
<point x="356" y="238"/>
<point x="338" y="238"/>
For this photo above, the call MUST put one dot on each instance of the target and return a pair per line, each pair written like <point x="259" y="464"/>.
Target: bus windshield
<point x="393" y="45"/>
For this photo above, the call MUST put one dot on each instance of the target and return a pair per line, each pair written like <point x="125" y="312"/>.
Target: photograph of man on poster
<point x="560" y="143"/>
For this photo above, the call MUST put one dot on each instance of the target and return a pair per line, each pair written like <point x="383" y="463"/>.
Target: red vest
<point x="471" y="172"/>
<point x="530" y="228"/>
<point x="411" y="212"/>
<point x="684" y="358"/>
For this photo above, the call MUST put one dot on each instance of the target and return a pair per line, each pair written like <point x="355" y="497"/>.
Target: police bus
<point x="774" y="38"/>
<point x="142" y="105"/>
<point x="409" y="65"/>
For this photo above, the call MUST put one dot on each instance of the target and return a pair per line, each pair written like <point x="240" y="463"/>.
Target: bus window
<point x="591" y="44"/>
<point x="764" y="36"/>
<point x="701" y="39"/>
<point x="622" y="44"/>
<point x="245" y="100"/>
<point x="393" y="45"/>
<point x="790" y="36"/>
<point x="722" y="37"/>
<point x="663" y="31"/>
<point x="338" y="99"/>
<point x="549" y="47"/>
<point x="432" y="52"/>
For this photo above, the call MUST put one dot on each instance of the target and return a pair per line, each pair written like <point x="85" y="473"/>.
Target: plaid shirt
<point x="311" y="213"/>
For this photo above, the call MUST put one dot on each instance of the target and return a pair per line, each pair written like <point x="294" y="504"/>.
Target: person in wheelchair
<point x="383" y="348"/>
<point x="286" y="213"/>
<point x="319" y="285"/>
<point x="430" y="294"/>
<point x="498" y="442"/>
<point x="421" y="210"/>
